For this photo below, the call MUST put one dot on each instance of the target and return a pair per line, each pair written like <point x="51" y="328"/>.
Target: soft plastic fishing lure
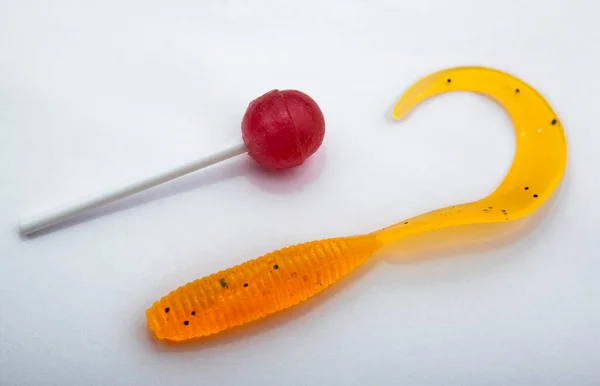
<point x="288" y="276"/>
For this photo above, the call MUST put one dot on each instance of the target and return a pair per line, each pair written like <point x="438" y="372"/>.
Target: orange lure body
<point x="256" y="288"/>
<point x="288" y="276"/>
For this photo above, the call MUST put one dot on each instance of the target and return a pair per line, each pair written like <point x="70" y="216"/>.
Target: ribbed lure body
<point x="257" y="287"/>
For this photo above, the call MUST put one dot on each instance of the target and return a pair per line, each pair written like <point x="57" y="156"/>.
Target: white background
<point x="94" y="94"/>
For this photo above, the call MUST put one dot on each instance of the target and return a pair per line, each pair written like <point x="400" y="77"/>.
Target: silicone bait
<point x="283" y="278"/>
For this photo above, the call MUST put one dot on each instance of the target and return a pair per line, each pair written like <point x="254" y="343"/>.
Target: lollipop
<point x="283" y="128"/>
<point x="280" y="130"/>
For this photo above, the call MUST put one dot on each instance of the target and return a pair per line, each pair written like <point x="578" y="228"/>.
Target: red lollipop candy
<point x="281" y="129"/>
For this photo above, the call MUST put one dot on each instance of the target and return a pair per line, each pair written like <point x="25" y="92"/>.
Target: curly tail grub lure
<point x="288" y="276"/>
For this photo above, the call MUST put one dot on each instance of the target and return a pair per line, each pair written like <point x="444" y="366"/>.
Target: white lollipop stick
<point x="55" y="216"/>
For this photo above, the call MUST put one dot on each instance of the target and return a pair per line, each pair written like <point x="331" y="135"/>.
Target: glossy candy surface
<point x="281" y="129"/>
<point x="283" y="278"/>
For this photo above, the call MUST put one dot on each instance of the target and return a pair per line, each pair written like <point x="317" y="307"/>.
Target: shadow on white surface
<point x="466" y="239"/>
<point x="445" y="243"/>
<point x="289" y="180"/>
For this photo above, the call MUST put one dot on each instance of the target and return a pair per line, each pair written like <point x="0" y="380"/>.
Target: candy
<point x="281" y="129"/>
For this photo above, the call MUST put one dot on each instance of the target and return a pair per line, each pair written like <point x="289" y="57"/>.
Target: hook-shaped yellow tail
<point x="539" y="161"/>
<point x="286" y="277"/>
